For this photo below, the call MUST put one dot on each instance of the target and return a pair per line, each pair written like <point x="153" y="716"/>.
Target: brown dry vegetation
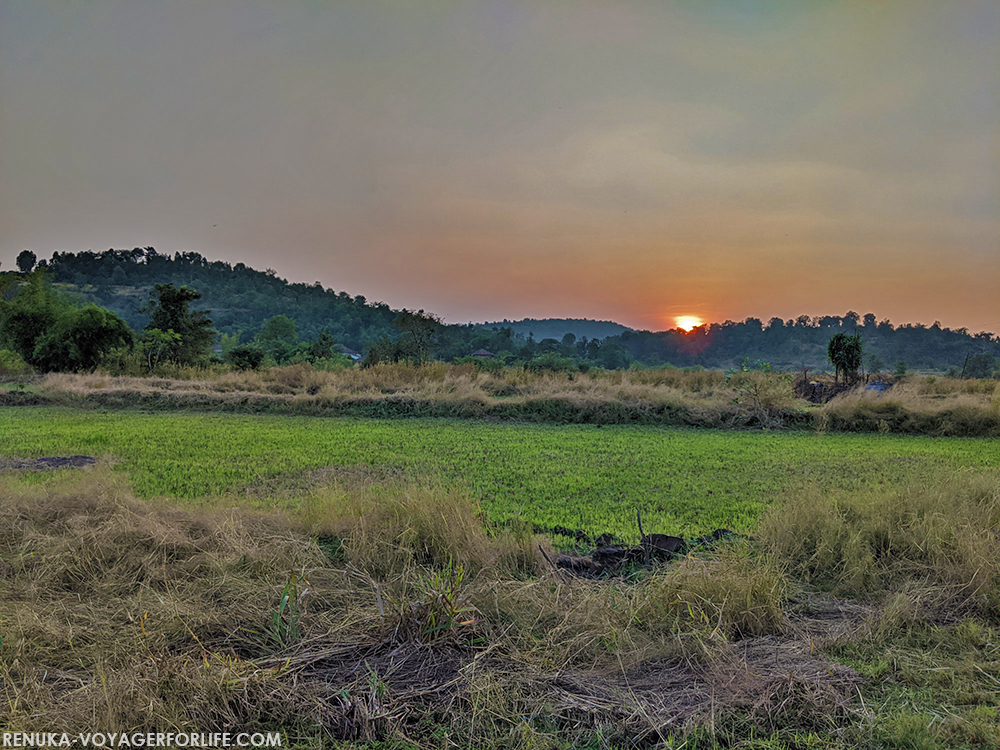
<point x="385" y="611"/>
<point x="935" y="406"/>
<point x="929" y="406"/>
<point x="942" y="538"/>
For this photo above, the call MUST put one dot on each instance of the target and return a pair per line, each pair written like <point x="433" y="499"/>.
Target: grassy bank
<point x="386" y="614"/>
<point x="752" y="400"/>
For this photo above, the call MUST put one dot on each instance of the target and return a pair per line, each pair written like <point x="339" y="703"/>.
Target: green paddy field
<point x="685" y="481"/>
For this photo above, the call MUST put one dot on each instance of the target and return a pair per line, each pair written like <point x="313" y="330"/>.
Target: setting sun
<point x="687" y="322"/>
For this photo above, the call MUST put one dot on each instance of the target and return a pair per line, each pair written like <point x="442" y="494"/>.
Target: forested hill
<point x="557" y="328"/>
<point x="241" y="300"/>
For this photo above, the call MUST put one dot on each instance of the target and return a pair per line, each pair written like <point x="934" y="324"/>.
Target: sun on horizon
<point x="688" y="322"/>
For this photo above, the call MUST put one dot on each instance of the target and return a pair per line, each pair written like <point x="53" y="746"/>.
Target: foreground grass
<point x="685" y="481"/>
<point x="386" y="614"/>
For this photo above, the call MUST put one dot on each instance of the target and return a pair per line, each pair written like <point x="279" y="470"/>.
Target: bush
<point x="80" y="338"/>
<point x="11" y="364"/>
<point x="245" y="357"/>
<point x="736" y="594"/>
<point x="387" y="533"/>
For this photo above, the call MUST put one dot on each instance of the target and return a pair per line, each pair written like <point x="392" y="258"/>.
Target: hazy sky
<point x="483" y="160"/>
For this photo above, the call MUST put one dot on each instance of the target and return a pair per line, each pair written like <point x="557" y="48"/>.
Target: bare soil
<point x="46" y="463"/>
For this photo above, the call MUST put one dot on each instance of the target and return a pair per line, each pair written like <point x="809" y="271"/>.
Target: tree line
<point x="130" y="307"/>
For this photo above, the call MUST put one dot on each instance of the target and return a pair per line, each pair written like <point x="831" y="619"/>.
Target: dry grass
<point x="380" y="610"/>
<point x="432" y="379"/>
<point x="383" y="609"/>
<point x="937" y="406"/>
<point x="123" y="615"/>
<point x="436" y="389"/>
<point x="392" y="528"/>
<point x="943" y="539"/>
<point x="934" y="406"/>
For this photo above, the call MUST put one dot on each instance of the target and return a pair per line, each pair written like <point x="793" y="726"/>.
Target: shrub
<point x="80" y="338"/>
<point x="11" y="364"/>
<point x="245" y="357"/>
<point x="736" y="594"/>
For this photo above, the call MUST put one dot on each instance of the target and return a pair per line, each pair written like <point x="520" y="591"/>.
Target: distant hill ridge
<point x="556" y="328"/>
<point x="241" y="299"/>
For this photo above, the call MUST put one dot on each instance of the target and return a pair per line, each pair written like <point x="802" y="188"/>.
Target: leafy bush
<point x="245" y="357"/>
<point x="11" y="364"/>
<point x="79" y="339"/>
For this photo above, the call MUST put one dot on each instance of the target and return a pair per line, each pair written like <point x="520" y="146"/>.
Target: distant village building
<point x="483" y="353"/>
<point x="356" y="356"/>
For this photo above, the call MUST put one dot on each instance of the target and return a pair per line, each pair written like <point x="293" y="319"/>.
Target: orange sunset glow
<point x="688" y="322"/>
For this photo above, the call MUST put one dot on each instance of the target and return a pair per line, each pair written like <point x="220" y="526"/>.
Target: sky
<point x="631" y="161"/>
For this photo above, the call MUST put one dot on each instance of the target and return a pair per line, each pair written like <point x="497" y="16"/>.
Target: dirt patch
<point x="46" y="463"/>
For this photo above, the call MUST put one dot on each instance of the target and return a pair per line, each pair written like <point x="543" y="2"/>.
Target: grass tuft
<point x="870" y="542"/>
<point x="389" y="529"/>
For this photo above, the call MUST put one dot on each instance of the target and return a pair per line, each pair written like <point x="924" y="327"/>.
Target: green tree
<point x="32" y="309"/>
<point x="875" y="363"/>
<point x="245" y="357"/>
<point x="80" y="338"/>
<point x="279" y="328"/>
<point x="417" y="332"/>
<point x="277" y="337"/>
<point x="169" y="309"/>
<point x="382" y="351"/>
<point x="26" y="261"/>
<point x="49" y="333"/>
<point x="979" y="365"/>
<point x="229" y="341"/>
<point x="156" y="345"/>
<point x="322" y="346"/>
<point x="846" y="352"/>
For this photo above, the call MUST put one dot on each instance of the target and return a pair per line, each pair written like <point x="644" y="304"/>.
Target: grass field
<point x="685" y="481"/>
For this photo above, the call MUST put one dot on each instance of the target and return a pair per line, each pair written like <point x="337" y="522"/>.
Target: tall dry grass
<point x="435" y="389"/>
<point x="944" y="535"/>
<point x="119" y="615"/>
<point x="945" y="406"/>
<point x="935" y="406"/>
<point x="390" y="529"/>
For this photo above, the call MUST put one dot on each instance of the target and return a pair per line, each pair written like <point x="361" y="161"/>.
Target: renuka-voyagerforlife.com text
<point x="140" y="739"/>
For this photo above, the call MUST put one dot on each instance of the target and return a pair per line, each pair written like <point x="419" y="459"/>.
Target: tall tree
<point x="846" y="353"/>
<point x="26" y="261"/>
<point x="169" y="309"/>
<point x="417" y="330"/>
